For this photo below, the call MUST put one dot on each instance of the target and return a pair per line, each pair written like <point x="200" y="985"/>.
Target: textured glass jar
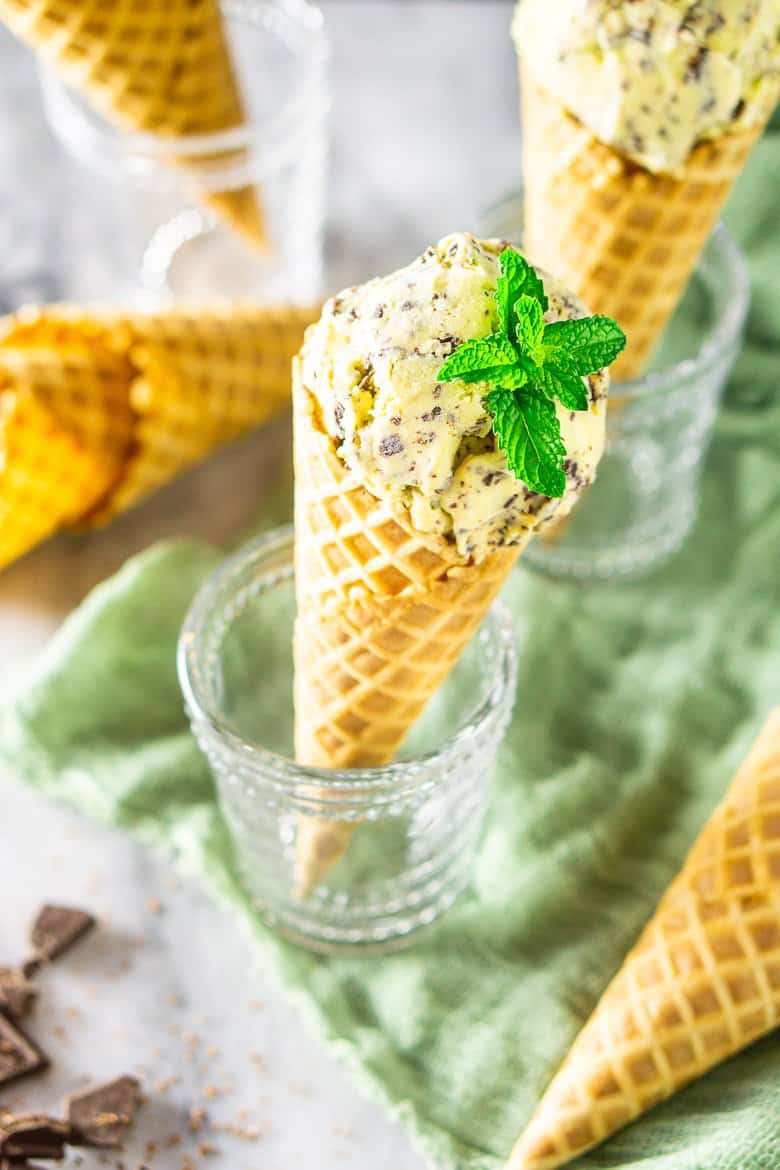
<point x="138" y="224"/>
<point x="416" y="822"/>
<point x="644" y="501"/>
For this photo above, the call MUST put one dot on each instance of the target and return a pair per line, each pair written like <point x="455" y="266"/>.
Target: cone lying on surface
<point x="384" y="613"/>
<point x="47" y="476"/>
<point x="99" y="410"/>
<point x="162" y="69"/>
<point x="202" y="379"/>
<point x="626" y="240"/>
<point x="701" y="984"/>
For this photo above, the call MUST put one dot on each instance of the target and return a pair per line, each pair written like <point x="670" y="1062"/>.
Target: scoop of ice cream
<point x="654" y="77"/>
<point x="372" y="362"/>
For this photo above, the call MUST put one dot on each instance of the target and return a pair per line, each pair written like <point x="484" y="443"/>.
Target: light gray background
<point x="425" y="136"/>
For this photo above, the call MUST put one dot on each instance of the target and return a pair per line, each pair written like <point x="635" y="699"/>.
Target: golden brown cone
<point x="384" y="613"/>
<point x="47" y="476"/>
<point x="201" y="379"/>
<point x="162" y="69"/>
<point x="701" y="984"/>
<point x="627" y="241"/>
<point x="101" y="409"/>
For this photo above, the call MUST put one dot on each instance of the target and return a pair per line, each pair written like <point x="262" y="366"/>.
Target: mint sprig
<point x="531" y="364"/>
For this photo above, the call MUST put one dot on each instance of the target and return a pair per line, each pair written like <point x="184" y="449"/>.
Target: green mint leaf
<point x="528" y="432"/>
<point x="530" y="328"/>
<point x="517" y="279"/>
<point x="559" y="382"/>
<point x="481" y="360"/>
<point x="583" y="346"/>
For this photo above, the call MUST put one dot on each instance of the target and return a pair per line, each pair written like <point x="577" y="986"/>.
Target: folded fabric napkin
<point x="636" y="702"/>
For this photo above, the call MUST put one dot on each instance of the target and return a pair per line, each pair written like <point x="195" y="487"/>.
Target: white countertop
<point x="425" y="136"/>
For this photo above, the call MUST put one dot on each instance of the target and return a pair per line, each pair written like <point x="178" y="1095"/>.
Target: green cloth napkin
<point x="635" y="704"/>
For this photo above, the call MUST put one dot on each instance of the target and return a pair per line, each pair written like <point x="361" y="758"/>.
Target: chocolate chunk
<point x="57" y="928"/>
<point x="390" y="445"/>
<point x="99" y="1116"/>
<point x="34" y="1137"/>
<point x="17" y="994"/>
<point x="19" y="1057"/>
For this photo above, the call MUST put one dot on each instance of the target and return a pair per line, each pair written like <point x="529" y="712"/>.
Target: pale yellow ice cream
<point x="652" y="78"/>
<point x="372" y="363"/>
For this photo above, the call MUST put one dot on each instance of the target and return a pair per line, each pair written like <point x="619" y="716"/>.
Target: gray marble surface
<point x="425" y="136"/>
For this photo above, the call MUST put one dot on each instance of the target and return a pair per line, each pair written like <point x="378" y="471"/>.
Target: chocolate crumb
<point x="198" y="1118"/>
<point x="19" y="1056"/>
<point x="101" y="1115"/>
<point x="56" y="929"/>
<point x="17" y="994"/>
<point x="34" y="1137"/>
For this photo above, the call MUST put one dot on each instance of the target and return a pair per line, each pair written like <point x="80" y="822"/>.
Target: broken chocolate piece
<point x="19" y="1057"/>
<point x="57" y="928"/>
<point x="100" y="1115"/>
<point x="17" y="994"/>
<point x="34" y="1137"/>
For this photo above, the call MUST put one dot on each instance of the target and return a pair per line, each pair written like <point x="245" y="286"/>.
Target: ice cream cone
<point x="626" y="240"/>
<point x="47" y="475"/>
<point x="99" y="410"/>
<point x="159" y="69"/>
<point x="701" y="984"/>
<point x="202" y="379"/>
<point x="384" y="613"/>
<point x="66" y="426"/>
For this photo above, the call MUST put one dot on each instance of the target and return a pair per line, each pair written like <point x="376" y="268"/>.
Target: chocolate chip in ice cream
<point x="391" y="445"/>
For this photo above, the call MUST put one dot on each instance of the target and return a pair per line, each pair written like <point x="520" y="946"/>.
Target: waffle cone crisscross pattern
<point x="702" y="982"/>
<point x="626" y="240"/>
<point x="155" y="68"/>
<point x="384" y="613"/>
<point x="100" y="410"/>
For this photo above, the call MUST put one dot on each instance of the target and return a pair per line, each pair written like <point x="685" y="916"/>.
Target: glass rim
<point x="253" y="150"/>
<point x="723" y="334"/>
<point x="281" y="769"/>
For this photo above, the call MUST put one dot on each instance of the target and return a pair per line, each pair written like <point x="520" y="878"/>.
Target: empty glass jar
<point x="141" y="220"/>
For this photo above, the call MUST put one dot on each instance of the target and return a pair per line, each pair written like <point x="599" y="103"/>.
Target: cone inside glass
<point x="408" y="519"/>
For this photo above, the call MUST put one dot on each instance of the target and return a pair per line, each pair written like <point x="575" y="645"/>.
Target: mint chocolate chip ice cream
<point x="428" y="446"/>
<point x="652" y="78"/>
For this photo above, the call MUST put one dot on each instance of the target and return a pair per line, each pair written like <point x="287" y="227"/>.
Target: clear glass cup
<point x="644" y="501"/>
<point x="137" y="225"/>
<point x="416" y="822"/>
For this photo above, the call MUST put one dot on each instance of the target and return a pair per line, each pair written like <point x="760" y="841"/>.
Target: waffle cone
<point x="626" y="240"/>
<point x="384" y="613"/>
<point x="701" y="984"/>
<point x="160" y="69"/>
<point x="202" y="379"/>
<point x="47" y="476"/>
<point x="100" y="410"/>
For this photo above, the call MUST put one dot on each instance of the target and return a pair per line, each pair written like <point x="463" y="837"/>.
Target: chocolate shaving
<point x="34" y="1137"/>
<point x="100" y="1116"/>
<point x="56" y="929"/>
<point x="17" y="994"/>
<point x="19" y="1057"/>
